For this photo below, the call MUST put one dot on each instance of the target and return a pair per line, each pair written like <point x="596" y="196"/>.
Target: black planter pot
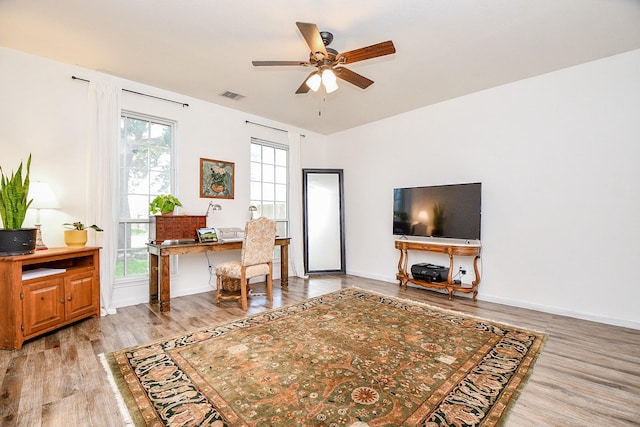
<point x="17" y="242"/>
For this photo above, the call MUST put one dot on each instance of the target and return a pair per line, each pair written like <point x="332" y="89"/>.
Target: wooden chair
<point x="256" y="260"/>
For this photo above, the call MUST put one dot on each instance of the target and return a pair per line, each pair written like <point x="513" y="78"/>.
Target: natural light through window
<point x="269" y="182"/>
<point x="146" y="154"/>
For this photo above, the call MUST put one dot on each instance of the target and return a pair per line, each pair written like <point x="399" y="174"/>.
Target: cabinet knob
<point x="69" y="298"/>
<point x="61" y="300"/>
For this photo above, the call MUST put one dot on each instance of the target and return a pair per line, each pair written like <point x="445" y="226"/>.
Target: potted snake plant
<point x="14" y="202"/>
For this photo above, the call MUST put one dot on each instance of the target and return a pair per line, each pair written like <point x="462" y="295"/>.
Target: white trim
<point x="515" y="303"/>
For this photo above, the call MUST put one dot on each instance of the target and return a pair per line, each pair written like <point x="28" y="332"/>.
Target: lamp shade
<point x="314" y="82"/>
<point x="252" y="210"/>
<point x="329" y="80"/>
<point x="213" y="207"/>
<point x="42" y="195"/>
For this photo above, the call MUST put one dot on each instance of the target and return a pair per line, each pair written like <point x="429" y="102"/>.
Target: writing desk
<point x="160" y="275"/>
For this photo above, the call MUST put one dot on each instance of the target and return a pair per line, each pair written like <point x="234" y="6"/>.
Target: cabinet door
<point x="42" y="305"/>
<point x="80" y="294"/>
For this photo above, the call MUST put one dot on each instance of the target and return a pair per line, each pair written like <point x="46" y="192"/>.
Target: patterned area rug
<point x="351" y="357"/>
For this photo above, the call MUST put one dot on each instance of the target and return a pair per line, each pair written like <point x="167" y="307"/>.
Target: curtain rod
<point x="138" y="93"/>
<point x="270" y="127"/>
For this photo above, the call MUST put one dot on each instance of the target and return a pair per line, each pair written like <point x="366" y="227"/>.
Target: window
<point x="146" y="170"/>
<point x="269" y="183"/>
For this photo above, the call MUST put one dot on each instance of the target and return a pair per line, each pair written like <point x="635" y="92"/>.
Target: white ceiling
<point x="202" y="48"/>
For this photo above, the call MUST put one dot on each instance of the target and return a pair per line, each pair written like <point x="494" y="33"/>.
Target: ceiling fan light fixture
<point x="329" y="80"/>
<point x="314" y="82"/>
<point x="331" y="87"/>
<point x="324" y="58"/>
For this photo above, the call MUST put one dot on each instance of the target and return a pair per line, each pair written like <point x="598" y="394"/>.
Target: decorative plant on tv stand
<point x="14" y="191"/>
<point x="75" y="236"/>
<point x="164" y="204"/>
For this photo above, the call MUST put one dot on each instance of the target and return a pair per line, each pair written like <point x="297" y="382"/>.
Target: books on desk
<point x="41" y="272"/>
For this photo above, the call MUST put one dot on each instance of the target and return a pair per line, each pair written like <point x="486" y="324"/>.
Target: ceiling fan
<point x="329" y="62"/>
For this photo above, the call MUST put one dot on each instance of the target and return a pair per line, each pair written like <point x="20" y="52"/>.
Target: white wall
<point x="557" y="155"/>
<point x="559" y="160"/>
<point x="43" y="112"/>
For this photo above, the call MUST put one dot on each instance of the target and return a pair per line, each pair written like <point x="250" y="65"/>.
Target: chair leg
<point x="270" y="284"/>
<point x="243" y="290"/>
<point x="218" y="289"/>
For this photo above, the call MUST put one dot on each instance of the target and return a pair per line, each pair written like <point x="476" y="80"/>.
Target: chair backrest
<point x="259" y="240"/>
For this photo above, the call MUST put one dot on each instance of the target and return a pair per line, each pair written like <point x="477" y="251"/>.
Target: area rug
<point x="352" y="357"/>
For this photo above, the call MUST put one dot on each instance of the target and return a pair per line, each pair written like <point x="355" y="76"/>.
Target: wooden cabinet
<point x="175" y="227"/>
<point x="43" y="291"/>
<point x="450" y="249"/>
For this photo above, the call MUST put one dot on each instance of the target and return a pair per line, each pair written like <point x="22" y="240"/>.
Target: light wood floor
<point x="587" y="375"/>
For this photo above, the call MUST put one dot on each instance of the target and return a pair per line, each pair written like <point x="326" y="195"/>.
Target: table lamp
<point x="252" y="209"/>
<point x="43" y="198"/>
<point x="215" y="207"/>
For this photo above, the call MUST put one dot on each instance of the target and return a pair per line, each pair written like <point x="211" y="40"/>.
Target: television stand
<point x="451" y="249"/>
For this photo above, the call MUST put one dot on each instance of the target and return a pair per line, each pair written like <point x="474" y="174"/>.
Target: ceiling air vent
<point x="232" y="95"/>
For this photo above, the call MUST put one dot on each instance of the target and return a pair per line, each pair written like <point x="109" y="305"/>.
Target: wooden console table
<point x="160" y="276"/>
<point x="466" y="249"/>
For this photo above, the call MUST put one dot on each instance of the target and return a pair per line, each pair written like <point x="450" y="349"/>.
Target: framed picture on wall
<point x="216" y="179"/>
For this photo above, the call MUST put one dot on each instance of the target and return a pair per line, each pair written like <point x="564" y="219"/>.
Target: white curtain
<point x="101" y="201"/>
<point x="296" y="248"/>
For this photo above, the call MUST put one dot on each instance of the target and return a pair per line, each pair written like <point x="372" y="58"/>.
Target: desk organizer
<point x="175" y="227"/>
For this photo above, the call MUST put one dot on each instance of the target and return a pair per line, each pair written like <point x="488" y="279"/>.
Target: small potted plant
<point x="164" y="204"/>
<point x="14" y="202"/>
<point x="75" y="236"/>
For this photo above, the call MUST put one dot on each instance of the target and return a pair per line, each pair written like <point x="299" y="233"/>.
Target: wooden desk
<point x="160" y="276"/>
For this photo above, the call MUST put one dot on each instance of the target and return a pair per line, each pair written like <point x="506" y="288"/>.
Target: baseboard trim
<point x="625" y="323"/>
<point x="561" y="312"/>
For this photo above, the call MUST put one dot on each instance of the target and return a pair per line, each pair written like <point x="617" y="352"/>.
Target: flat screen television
<point x="450" y="211"/>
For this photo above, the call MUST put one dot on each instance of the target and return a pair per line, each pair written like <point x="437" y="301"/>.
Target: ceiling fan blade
<point x="353" y="78"/>
<point x="270" y="63"/>
<point x="303" y="87"/>
<point x="373" y="51"/>
<point x="312" y="37"/>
